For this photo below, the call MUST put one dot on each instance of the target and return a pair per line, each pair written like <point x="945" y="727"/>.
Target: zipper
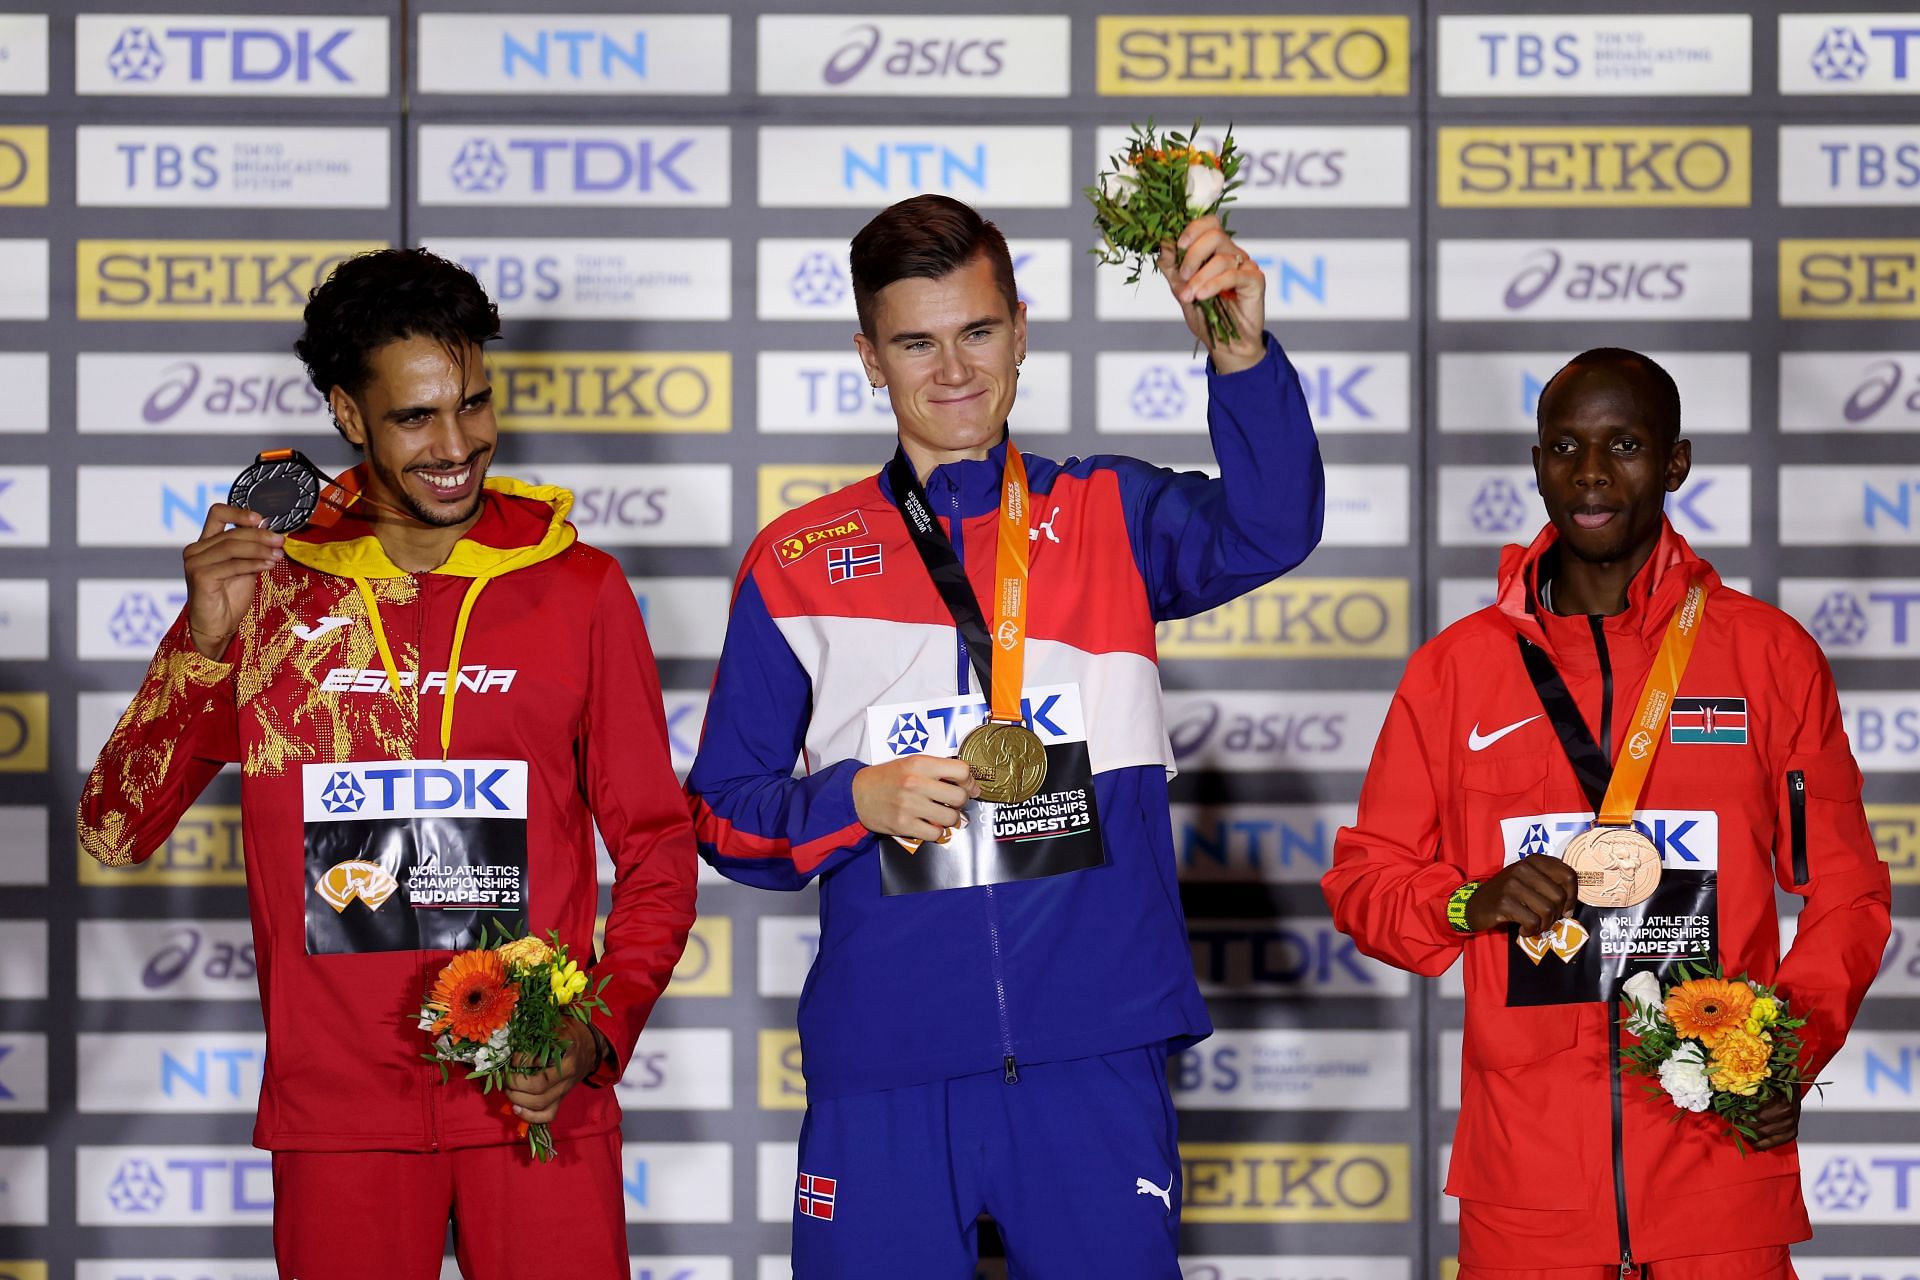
<point x="435" y="1111"/>
<point x="1628" y="1267"/>
<point x="1599" y="625"/>
<point x="1797" y="807"/>
<point x="1009" y="1068"/>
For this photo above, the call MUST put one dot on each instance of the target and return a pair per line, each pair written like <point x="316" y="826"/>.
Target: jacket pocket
<point x="1797" y="822"/>
<point x="1493" y="794"/>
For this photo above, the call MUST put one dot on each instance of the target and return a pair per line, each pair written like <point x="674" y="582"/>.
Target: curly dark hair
<point x="387" y="296"/>
<point x="923" y="238"/>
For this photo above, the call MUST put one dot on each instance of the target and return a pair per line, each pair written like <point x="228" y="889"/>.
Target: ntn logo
<point x="1252" y="842"/>
<point x="889" y="166"/>
<point x="571" y="51"/>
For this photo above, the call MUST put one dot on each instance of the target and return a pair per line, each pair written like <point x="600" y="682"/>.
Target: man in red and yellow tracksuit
<point x="1562" y="1169"/>
<point x="433" y="704"/>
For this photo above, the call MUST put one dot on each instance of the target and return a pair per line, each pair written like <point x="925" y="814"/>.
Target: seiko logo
<point x="472" y="679"/>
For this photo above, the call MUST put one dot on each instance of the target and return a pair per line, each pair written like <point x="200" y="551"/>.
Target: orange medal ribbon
<point x="1656" y="701"/>
<point x="1010" y="567"/>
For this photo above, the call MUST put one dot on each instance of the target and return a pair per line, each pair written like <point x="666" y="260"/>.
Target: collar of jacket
<point x="977" y="481"/>
<point x="520" y="524"/>
<point x="1651" y="597"/>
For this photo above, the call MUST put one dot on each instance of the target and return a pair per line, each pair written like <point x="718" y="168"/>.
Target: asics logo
<point x="1477" y="741"/>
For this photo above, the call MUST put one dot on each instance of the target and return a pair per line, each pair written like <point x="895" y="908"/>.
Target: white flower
<point x="1204" y="185"/>
<point x="493" y="1053"/>
<point x="1644" y="988"/>
<point x="1684" y="1077"/>
<point x="1120" y="185"/>
<point x="427" y="1018"/>
<point x="1647" y="1004"/>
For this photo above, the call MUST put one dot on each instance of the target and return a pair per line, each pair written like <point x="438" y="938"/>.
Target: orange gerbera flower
<point x="478" y="999"/>
<point x="1708" y="1008"/>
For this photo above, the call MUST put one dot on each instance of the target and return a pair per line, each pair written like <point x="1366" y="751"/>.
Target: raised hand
<point x="221" y="570"/>
<point x="1211" y="265"/>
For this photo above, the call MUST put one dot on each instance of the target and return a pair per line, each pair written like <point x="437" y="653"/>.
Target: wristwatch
<point x="1457" y="906"/>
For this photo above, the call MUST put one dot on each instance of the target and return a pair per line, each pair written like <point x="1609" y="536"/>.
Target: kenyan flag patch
<point x="1714" y="721"/>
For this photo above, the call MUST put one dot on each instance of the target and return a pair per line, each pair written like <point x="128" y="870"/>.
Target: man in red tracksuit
<point x="1563" y="1170"/>
<point x="434" y="699"/>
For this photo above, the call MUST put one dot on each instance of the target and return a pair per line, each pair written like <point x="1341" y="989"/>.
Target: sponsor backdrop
<point x="1446" y="202"/>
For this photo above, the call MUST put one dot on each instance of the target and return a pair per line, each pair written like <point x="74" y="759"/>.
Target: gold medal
<point x="1008" y="761"/>
<point x="1617" y="866"/>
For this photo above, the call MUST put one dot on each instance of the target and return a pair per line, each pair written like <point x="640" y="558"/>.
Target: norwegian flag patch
<point x="816" y="1196"/>
<point x="853" y="562"/>
<point x="1716" y="721"/>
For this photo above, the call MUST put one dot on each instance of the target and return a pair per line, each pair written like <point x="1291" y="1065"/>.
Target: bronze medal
<point x="1617" y="866"/>
<point x="1008" y="761"/>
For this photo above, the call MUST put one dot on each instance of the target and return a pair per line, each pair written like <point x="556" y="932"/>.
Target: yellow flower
<point x="525" y="953"/>
<point x="1740" y="1062"/>
<point x="1765" y="1012"/>
<point x="568" y="982"/>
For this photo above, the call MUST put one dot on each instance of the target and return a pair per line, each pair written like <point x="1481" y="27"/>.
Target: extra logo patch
<point x="863" y="561"/>
<point x="801" y="543"/>
<point x="1714" y="721"/>
<point x="816" y="1196"/>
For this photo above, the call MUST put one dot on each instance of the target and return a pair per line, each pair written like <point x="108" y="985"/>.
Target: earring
<point x="873" y="389"/>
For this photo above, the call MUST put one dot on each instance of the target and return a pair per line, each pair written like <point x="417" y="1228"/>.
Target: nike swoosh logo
<point x="310" y="634"/>
<point x="1476" y="741"/>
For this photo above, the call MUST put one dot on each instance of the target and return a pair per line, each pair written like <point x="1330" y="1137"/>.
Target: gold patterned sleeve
<point x="176" y="735"/>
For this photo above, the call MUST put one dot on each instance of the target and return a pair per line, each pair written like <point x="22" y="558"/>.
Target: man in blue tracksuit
<point x="1003" y="961"/>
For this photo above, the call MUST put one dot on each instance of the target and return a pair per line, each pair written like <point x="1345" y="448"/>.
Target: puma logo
<point x="326" y="627"/>
<point x="1141" y="1187"/>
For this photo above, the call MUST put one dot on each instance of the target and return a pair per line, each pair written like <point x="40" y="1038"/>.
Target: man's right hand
<point x="919" y="797"/>
<point x="221" y="569"/>
<point x="1532" y="893"/>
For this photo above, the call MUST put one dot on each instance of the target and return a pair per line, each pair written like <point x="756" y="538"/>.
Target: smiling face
<point x="425" y="421"/>
<point x="948" y="352"/>
<point x="1605" y="462"/>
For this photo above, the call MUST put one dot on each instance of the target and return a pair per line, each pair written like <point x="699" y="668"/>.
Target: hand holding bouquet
<point x="501" y="1010"/>
<point x="1149" y="194"/>
<point x="1729" y="1046"/>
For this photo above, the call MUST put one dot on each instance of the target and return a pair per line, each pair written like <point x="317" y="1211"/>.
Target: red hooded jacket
<point x="515" y="687"/>
<point x="1466" y="747"/>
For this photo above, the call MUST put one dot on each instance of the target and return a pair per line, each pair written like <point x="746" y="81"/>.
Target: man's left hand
<point x="536" y="1097"/>
<point x="1212" y="266"/>
<point x="1776" y="1123"/>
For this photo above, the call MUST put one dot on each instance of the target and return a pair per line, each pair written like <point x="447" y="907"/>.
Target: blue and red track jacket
<point x="834" y="613"/>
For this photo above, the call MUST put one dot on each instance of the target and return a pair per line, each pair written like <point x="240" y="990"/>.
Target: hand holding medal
<point x="1614" y="864"/>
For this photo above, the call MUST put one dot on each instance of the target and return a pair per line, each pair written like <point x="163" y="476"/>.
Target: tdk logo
<point x="1841" y="56"/>
<point x="1688" y="839"/>
<point x="138" y="622"/>
<point x="394" y="790"/>
<point x="240" y="54"/>
<point x="1498" y="507"/>
<point x="913" y="166"/>
<point x="586" y="165"/>
<point x="819" y="282"/>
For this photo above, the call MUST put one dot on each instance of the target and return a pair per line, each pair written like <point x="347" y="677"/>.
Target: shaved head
<point x="1640" y="387"/>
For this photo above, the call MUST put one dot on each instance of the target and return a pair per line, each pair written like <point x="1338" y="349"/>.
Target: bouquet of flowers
<point x="498" y="1009"/>
<point x="1151" y="191"/>
<point x="1714" y="1044"/>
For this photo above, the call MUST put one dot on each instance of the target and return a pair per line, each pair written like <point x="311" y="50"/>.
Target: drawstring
<point x="379" y="635"/>
<point x="452" y="678"/>
<point x="453" y="665"/>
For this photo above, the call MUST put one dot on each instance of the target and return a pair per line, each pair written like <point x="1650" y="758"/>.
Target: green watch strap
<point x="1457" y="906"/>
